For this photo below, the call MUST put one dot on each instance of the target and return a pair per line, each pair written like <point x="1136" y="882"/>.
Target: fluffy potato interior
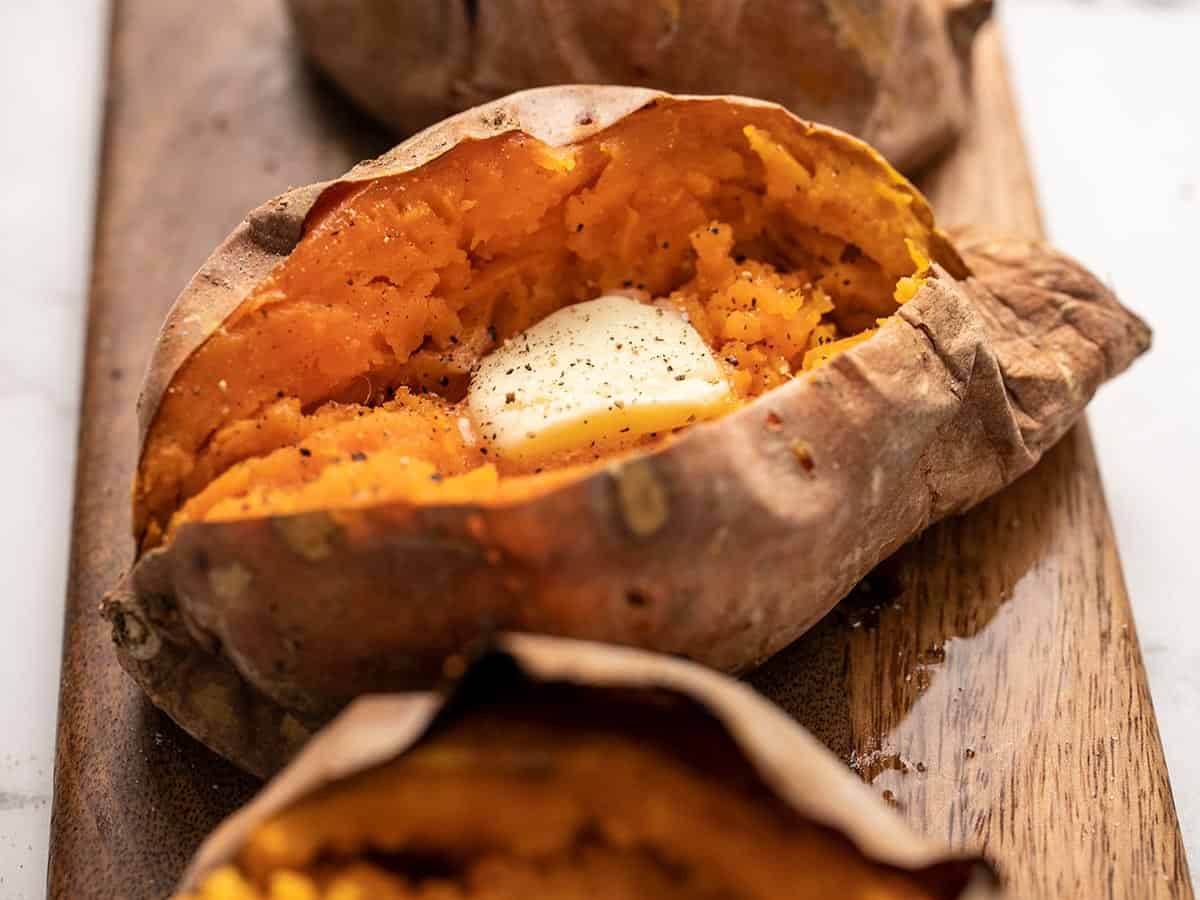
<point x="514" y="802"/>
<point x="340" y="380"/>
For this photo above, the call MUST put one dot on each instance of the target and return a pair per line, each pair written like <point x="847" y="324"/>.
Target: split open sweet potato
<point x="565" y="770"/>
<point x="889" y="71"/>
<point x="320" y="514"/>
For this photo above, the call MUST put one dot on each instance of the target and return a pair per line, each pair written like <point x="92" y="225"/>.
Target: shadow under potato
<point x="856" y="676"/>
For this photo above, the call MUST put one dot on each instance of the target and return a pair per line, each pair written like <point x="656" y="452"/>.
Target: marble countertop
<point x="1107" y="95"/>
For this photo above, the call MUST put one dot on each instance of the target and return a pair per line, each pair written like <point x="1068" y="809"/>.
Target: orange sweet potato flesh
<point x="358" y="347"/>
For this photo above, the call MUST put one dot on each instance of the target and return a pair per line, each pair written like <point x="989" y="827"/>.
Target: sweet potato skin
<point x="723" y="548"/>
<point x="745" y="742"/>
<point x="856" y="66"/>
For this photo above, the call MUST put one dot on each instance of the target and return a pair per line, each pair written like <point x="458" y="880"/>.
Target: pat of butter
<point x="594" y="375"/>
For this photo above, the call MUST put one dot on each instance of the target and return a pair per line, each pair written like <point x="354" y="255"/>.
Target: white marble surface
<point x="1108" y="95"/>
<point x="50" y="88"/>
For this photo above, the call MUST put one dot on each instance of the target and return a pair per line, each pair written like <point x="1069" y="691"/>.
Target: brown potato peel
<point x="862" y="67"/>
<point x="560" y="768"/>
<point x="723" y="546"/>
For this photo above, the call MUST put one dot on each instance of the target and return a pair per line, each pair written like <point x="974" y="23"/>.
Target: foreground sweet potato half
<point x="561" y="769"/>
<point x="859" y="66"/>
<point x="317" y="518"/>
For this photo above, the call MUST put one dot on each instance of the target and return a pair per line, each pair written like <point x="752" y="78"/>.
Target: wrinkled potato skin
<point x="723" y="548"/>
<point x="719" y="729"/>
<point x="861" y="67"/>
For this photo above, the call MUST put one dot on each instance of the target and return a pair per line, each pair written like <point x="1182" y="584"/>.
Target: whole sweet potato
<point x="889" y="71"/>
<point x="317" y="518"/>
<point x="565" y="769"/>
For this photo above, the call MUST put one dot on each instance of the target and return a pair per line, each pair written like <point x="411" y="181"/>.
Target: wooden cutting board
<point x="987" y="680"/>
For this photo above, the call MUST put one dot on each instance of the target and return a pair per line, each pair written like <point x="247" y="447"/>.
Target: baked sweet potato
<point x="319" y="517"/>
<point x="566" y="769"/>
<point x="889" y="71"/>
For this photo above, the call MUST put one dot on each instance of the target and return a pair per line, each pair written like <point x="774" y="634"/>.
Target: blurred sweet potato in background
<point x="890" y="71"/>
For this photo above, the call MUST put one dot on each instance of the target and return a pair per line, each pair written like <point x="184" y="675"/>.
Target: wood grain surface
<point x="987" y="680"/>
